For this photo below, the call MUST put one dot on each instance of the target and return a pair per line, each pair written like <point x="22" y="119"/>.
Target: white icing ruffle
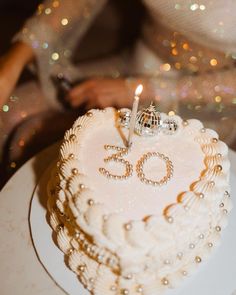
<point x="184" y="232"/>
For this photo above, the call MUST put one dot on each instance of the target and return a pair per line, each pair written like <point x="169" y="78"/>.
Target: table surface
<point x="20" y="270"/>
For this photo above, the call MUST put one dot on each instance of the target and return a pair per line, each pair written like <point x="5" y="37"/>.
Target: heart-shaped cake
<point x="138" y="220"/>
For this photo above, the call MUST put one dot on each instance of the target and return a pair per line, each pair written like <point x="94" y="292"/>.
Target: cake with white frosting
<point x="137" y="221"/>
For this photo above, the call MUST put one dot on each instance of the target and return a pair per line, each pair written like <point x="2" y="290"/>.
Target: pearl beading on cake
<point x="169" y="169"/>
<point x="98" y="282"/>
<point x="83" y="243"/>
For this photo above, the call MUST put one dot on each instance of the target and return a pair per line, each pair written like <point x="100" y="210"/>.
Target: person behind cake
<point x="184" y="57"/>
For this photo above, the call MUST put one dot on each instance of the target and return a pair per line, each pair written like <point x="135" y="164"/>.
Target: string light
<point x="64" y="21"/>
<point x="213" y="62"/>
<point x="55" y="4"/>
<point x="165" y="67"/>
<point x="55" y="56"/>
<point x="40" y="9"/>
<point x="193" y="59"/>
<point x="218" y="98"/>
<point x="174" y="51"/>
<point x="177" y="65"/>
<point x="185" y="46"/>
<point x="194" y="6"/>
<point x="202" y="7"/>
<point x="5" y="108"/>
<point x="48" y="11"/>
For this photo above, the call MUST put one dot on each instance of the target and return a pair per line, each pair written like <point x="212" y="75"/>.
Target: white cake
<point x="143" y="219"/>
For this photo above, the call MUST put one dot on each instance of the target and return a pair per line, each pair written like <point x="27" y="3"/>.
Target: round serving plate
<point x="216" y="276"/>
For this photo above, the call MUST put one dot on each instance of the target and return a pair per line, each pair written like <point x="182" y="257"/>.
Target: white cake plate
<point x="215" y="277"/>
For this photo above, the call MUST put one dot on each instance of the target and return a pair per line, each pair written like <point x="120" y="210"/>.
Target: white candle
<point x="134" y="111"/>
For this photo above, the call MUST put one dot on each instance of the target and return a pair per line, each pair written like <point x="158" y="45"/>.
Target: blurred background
<point x="12" y="16"/>
<point x="124" y="20"/>
<point x="123" y="16"/>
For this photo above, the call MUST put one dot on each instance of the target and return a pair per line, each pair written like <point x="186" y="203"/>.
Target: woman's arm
<point x="58" y="25"/>
<point x="11" y="66"/>
<point x="54" y="32"/>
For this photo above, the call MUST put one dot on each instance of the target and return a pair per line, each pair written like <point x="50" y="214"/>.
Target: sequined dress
<point x="186" y="52"/>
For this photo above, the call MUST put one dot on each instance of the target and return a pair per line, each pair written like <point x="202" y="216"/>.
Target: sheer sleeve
<point x="211" y="97"/>
<point x="216" y="87"/>
<point x="205" y="88"/>
<point x="53" y="33"/>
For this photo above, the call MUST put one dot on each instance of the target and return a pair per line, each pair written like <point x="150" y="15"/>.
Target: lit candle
<point x="134" y="111"/>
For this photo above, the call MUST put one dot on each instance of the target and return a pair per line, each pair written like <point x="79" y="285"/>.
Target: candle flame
<point x="139" y="90"/>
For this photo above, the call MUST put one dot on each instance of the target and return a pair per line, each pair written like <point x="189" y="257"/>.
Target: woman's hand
<point x="11" y="66"/>
<point x="101" y="93"/>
